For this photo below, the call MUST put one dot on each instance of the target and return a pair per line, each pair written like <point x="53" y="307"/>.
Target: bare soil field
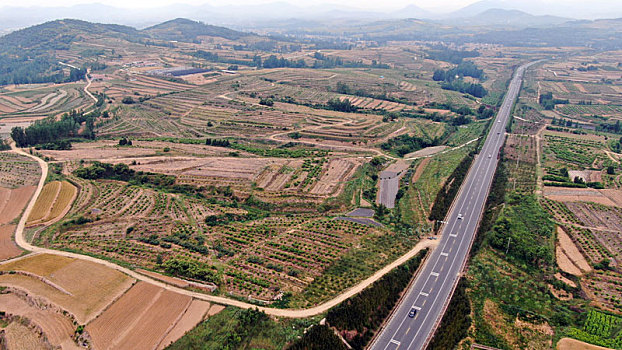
<point x="19" y="336"/>
<point x="14" y="202"/>
<point x="573" y="344"/>
<point x="586" y="175"/>
<point x="337" y="171"/>
<point x="87" y="296"/>
<point x="140" y="319"/>
<point x="195" y="313"/>
<point x="170" y="280"/>
<point x="100" y="150"/>
<point x="229" y="167"/>
<point x="597" y="216"/>
<point x="577" y="195"/>
<point x="614" y="195"/>
<point x="8" y="249"/>
<point x="569" y="258"/>
<point x="426" y="152"/>
<point x="57" y="328"/>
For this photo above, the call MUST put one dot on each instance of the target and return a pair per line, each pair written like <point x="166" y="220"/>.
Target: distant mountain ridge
<point x="511" y="18"/>
<point x="249" y="17"/>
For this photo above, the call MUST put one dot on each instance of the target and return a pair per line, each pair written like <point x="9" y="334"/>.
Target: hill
<point x="186" y="30"/>
<point x="28" y="55"/>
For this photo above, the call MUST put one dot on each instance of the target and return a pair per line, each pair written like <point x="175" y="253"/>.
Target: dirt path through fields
<point x="539" y="173"/>
<point x="300" y="313"/>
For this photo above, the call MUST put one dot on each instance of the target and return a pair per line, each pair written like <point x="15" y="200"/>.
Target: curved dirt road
<point x="292" y="313"/>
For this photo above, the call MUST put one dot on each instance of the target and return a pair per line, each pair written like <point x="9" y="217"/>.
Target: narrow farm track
<point x="88" y="85"/>
<point x="299" y="313"/>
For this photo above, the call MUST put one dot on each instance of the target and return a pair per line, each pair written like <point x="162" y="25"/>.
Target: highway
<point x="434" y="285"/>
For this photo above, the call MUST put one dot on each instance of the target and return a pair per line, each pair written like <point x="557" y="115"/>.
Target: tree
<point x="611" y="170"/>
<point x="18" y="135"/>
<point x="266" y="102"/>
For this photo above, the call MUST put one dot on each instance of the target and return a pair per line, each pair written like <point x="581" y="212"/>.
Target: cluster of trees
<point x="589" y="68"/>
<point x="217" y="142"/>
<point x="221" y="219"/>
<point x="614" y="128"/>
<point x="464" y="69"/>
<point x="59" y="145"/>
<point x="484" y="112"/>
<point x="269" y="46"/>
<point x="460" y="85"/>
<point x="4" y="145"/>
<point x="617" y="146"/>
<point x="193" y="269"/>
<point x="50" y="130"/>
<point x="341" y="106"/>
<point x="365" y="312"/>
<point x="128" y="100"/>
<point x="564" y="122"/>
<point x="547" y="101"/>
<point x="211" y="56"/>
<point x="452" y="79"/>
<point x="445" y="54"/>
<point x="320" y="337"/>
<point x="266" y="102"/>
<point x="274" y="62"/>
<point x="404" y="144"/>
<point x="99" y="170"/>
<point x="324" y="61"/>
<point x="196" y="245"/>
<point x="124" y="141"/>
<point x="122" y="172"/>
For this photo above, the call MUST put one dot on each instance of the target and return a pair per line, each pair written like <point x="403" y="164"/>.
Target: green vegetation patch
<point x="524" y="231"/>
<point x="235" y="328"/>
<point x="600" y="329"/>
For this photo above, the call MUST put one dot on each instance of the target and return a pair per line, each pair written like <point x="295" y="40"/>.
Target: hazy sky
<point x="388" y="5"/>
<point x="157" y="3"/>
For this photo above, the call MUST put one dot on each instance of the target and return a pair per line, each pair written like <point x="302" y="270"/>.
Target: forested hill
<point x="29" y="55"/>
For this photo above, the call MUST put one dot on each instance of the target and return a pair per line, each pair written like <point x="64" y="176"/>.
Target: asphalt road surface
<point x="389" y="185"/>
<point x="436" y="281"/>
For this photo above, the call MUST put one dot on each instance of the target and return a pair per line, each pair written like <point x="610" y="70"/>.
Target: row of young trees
<point x="365" y="312"/>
